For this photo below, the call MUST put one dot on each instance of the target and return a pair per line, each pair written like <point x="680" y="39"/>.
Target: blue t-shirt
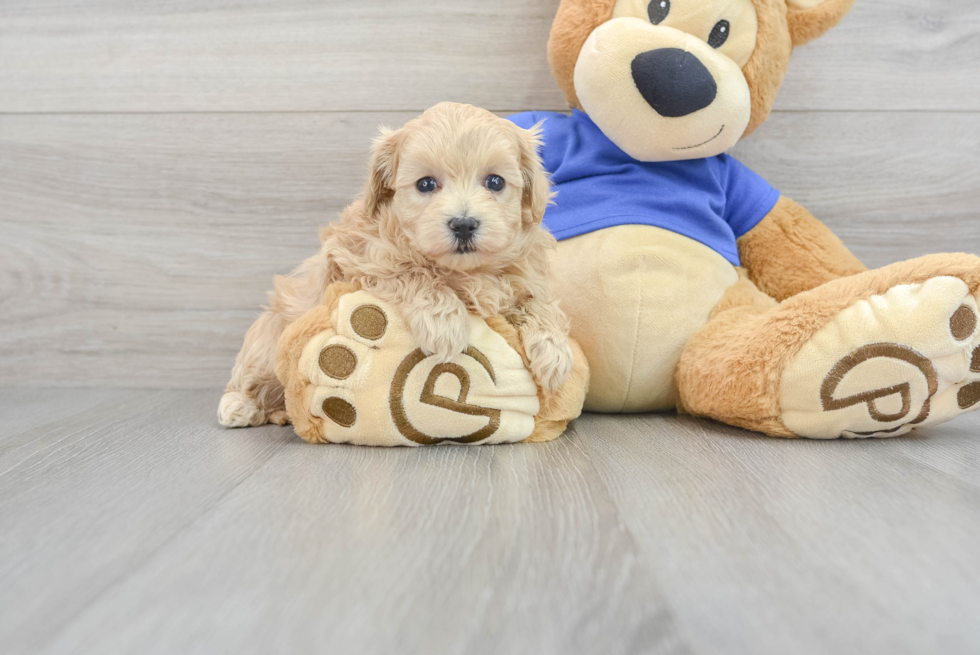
<point x="714" y="200"/>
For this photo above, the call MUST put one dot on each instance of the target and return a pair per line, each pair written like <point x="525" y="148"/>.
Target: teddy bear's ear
<point x="810" y="19"/>
<point x="574" y="22"/>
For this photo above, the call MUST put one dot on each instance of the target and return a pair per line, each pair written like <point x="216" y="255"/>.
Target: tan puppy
<point x="449" y="224"/>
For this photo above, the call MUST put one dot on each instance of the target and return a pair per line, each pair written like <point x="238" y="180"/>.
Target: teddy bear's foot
<point x="361" y="379"/>
<point x="907" y="358"/>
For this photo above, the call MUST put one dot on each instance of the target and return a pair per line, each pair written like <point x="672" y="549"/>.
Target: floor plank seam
<point x="668" y="607"/>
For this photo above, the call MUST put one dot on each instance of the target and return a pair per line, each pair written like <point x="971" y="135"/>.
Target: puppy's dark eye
<point x="427" y="185"/>
<point x="495" y="183"/>
<point x="719" y="34"/>
<point x="658" y="11"/>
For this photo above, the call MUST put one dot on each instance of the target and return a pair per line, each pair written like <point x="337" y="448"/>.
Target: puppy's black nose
<point x="674" y="82"/>
<point x="464" y="228"/>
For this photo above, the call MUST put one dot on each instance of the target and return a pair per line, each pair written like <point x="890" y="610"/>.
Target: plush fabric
<point x="733" y="368"/>
<point x="574" y="23"/>
<point x="713" y="201"/>
<point x="634" y="295"/>
<point x="809" y="20"/>
<point x="681" y="99"/>
<point x="765" y="70"/>
<point x="800" y="341"/>
<point x="890" y="363"/>
<point x="790" y="252"/>
<point x="767" y="67"/>
<point x="352" y="373"/>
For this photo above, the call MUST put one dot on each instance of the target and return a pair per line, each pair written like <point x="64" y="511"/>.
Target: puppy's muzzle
<point x="464" y="231"/>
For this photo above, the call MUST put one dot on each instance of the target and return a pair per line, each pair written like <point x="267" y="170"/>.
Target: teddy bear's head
<point x="668" y="80"/>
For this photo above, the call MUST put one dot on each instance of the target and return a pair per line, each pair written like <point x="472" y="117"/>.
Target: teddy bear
<point x="352" y="373"/>
<point x="691" y="283"/>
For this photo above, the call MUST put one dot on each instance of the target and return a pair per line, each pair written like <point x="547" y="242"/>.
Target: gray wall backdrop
<point x="160" y="161"/>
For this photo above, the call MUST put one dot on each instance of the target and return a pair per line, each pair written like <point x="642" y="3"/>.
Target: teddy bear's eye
<point x="719" y="34"/>
<point x="658" y="11"/>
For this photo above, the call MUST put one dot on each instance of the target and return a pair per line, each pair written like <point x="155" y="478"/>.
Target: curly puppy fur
<point x="396" y="242"/>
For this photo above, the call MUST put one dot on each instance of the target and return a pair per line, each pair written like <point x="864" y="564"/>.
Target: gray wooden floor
<point x="131" y="523"/>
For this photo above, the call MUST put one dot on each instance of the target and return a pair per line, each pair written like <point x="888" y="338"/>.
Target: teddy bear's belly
<point x="635" y="294"/>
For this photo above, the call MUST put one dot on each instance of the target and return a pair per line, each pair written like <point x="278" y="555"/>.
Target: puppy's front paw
<point x="237" y="410"/>
<point x="279" y="417"/>
<point x="551" y="358"/>
<point x="443" y="335"/>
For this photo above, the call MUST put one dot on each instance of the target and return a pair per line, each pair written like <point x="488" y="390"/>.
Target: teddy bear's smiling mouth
<point x="705" y="142"/>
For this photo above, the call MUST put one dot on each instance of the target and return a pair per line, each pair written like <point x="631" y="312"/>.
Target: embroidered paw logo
<point x="927" y="371"/>
<point x="372" y="385"/>
<point x="876" y="398"/>
<point x="430" y="397"/>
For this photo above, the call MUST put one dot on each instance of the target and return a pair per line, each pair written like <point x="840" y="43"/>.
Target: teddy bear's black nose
<point x="674" y="82"/>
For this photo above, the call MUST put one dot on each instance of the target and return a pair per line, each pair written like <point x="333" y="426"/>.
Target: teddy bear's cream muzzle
<point x="612" y="80"/>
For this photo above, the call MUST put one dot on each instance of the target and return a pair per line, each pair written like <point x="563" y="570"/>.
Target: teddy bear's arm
<point x="790" y="251"/>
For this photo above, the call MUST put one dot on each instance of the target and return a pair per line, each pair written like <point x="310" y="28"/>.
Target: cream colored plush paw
<point x="904" y="359"/>
<point x="370" y="384"/>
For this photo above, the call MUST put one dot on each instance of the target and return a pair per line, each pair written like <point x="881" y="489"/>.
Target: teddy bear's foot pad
<point x="904" y="359"/>
<point x="370" y="385"/>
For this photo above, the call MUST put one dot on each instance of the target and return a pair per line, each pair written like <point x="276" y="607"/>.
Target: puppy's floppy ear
<point x="384" y="165"/>
<point x="810" y="19"/>
<point x="537" y="188"/>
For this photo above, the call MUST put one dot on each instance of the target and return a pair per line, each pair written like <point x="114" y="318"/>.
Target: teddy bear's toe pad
<point x="907" y="358"/>
<point x="371" y="385"/>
